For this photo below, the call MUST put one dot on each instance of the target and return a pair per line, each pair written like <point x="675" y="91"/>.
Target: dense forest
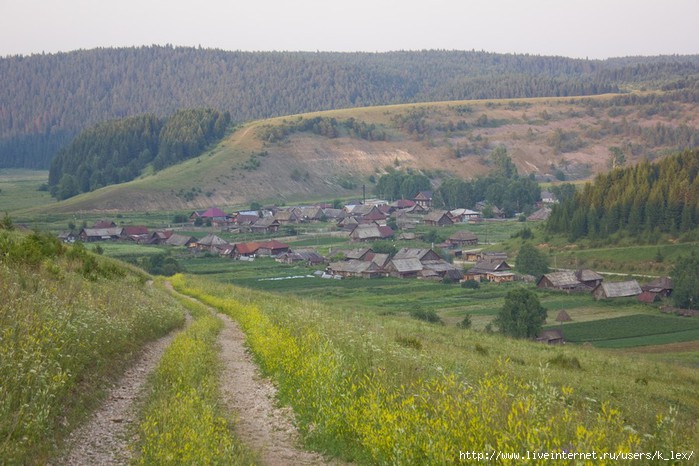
<point x="502" y="187"/>
<point x="116" y="151"/>
<point x="48" y="99"/>
<point x="646" y="201"/>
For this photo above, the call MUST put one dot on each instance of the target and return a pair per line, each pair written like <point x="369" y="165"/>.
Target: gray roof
<point x="354" y="266"/>
<point x="406" y="265"/>
<point x="563" y="279"/>
<point x="179" y="240"/>
<point x="212" y="240"/>
<point x="620" y="289"/>
<point x="489" y="266"/>
<point x="587" y="275"/>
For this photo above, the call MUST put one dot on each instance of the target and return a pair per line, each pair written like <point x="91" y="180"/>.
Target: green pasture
<point x="19" y="189"/>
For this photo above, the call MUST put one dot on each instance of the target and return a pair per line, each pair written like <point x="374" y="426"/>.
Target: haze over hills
<point x="335" y="154"/>
<point x="47" y="99"/>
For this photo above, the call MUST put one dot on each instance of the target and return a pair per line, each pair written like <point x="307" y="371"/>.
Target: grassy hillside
<point x="386" y="390"/>
<point x="287" y="159"/>
<point x="70" y="322"/>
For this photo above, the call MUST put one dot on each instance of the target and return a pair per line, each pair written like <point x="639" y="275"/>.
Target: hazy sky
<point x="573" y="28"/>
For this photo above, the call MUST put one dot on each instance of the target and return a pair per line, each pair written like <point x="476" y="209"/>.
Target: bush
<point x="428" y="316"/>
<point x="466" y="322"/>
<point x="470" y="284"/>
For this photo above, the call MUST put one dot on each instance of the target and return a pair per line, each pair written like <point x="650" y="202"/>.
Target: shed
<point x="439" y="218"/>
<point x="616" y="290"/>
<point x="564" y="280"/>
<point x="462" y="238"/>
<point x="553" y="336"/>
<point x="404" y="268"/>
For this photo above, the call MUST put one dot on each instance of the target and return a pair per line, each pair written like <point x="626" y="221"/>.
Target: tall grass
<point x="68" y="324"/>
<point x="361" y="394"/>
<point x="181" y="423"/>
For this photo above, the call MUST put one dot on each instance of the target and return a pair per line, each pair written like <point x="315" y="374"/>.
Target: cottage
<point x="355" y="268"/>
<point x="374" y="215"/>
<point x="662" y="287"/>
<point x="551" y="336"/>
<point x="420" y="254"/>
<point x="215" y="215"/>
<point x="89" y="235"/>
<point x="462" y="215"/>
<point x="181" y="240"/>
<point x="370" y="232"/>
<point x="441" y="269"/>
<point x="540" y="215"/>
<point x="271" y="248"/>
<point x="287" y="216"/>
<point x="438" y="218"/>
<point x="265" y="225"/>
<point x="404" y="268"/>
<point x="245" y="250"/>
<point x="495" y="270"/>
<point x="211" y="243"/>
<point x="423" y="199"/>
<point x="564" y="280"/>
<point x="462" y="238"/>
<point x="362" y="254"/>
<point x="589" y="278"/>
<point x="135" y="233"/>
<point x="616" y="290"/>
<point x="159" y="236"/>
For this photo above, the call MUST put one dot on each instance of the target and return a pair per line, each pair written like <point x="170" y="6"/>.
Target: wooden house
<point x="563" y="280"/>
<point x="181" y="240"/>
<point x="362" y="254"/>
<point x="355" y="268"/>
<point x="609" y="290"/>
<point x="159" y="236"/>
<point x="308" y="257"/>
<point x="271" y="248"/>
<point x="423" y="199"/>
<point x="211" y="243"/>
<point x="287" y="216"/>
<point x="553" y="336"/>
<point x="89" y="235"/>
<point x="495" y="270"/>
<point x="462" y="238"/>
<point x="245" y="250"/>
<point x="661" y="287"/>
<point x="438" y="218"/>
<point x="265" y="225"/>
<point x="370" y="232"/>
<point x="137" y="233"/>
<point x="441" y="269"/>
<point x="100" y="224"/>
<point x="421" y="254"/>
<point x="589" y="278"/>
<point x="404" y="268"/>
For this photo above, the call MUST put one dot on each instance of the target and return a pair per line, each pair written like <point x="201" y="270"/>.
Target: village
<point x="368" y="221"/>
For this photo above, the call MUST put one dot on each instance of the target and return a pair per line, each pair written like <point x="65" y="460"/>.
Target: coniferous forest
<point x="116" y="151"/>
<point x="48" y="99"/>
<point x="643" y="201"/>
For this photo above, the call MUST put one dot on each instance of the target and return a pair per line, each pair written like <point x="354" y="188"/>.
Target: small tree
<point x="685" y="276"/>
<point x="531" y="261"/>
<point x="522" y="315"/>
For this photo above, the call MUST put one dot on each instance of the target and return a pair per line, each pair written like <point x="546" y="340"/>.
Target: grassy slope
<point x="218" y="177"/>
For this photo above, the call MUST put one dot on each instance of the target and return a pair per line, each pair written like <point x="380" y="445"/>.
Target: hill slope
<point x="333" y="154"/>
<point x="48" y="99"/>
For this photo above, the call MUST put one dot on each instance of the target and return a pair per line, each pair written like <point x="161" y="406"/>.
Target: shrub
<point x="470" y="284"/>
<point x="428" y="316"/>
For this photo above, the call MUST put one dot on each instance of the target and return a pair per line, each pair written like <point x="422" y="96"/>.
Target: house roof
<point x="490" y="266"/>
<point x="245" y="219"/>
<point x="426" y="195"/>
<point x="541" y="214"/>
<point x="104" y="224"/>
<point x="564" y="279"/>
<point x="661" y="283"/>
<point x="213" y="212"/>
<point x="412" y="253"/>
<point x="620" y="289"/>
<point x="102" y="232"/>
<point x="354" y="266"/>
<point x="550" y="335"/>
<point x="371" y="231"/>
<point x="587" y="275"/>
<point x="180" y="240"/>
<point x="265" y="222"/>
<point x="406" y="265"/>
<point x="134" y="230"/>
<point x="212" y="240"/>
<point x="436" y="216"/>
<point x="247" y="248"/>
<point x="272" y="244"/>
<point x="439" y="265"/>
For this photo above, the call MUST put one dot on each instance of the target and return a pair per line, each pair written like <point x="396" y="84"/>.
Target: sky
<point x="571" y="28"/>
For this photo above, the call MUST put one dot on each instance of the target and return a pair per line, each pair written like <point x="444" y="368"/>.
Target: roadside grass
<point x="389" y="390"/>
<point x="70" y="323"/>
<point x="181" y="421"/>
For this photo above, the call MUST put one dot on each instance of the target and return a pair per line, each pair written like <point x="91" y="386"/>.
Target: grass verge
<point x="181" y="422"/>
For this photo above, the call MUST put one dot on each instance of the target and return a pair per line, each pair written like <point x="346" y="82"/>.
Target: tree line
<point x="644" y="201"/>
<point x="49" y="98"/>
<point x="117" y="151"/>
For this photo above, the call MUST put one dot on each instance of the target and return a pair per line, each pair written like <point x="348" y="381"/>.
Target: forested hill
<point x="47" y="99"/>
<point x="646" y="200"/>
